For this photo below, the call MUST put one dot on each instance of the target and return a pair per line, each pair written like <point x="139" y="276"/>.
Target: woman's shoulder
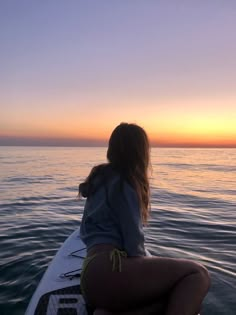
<point x="108" y="176"/>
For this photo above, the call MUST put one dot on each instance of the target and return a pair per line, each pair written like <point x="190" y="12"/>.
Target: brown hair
<point x="128" y="153"/>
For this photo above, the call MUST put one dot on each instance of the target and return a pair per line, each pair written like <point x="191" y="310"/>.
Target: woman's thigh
<point x="142" y="280"/>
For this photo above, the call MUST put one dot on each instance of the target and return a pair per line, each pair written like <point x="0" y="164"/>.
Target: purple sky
<point x="75" y="69"/>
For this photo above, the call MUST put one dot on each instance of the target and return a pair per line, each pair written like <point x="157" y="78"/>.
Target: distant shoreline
<point x="97" y="142"/>
<point x="105" y="146"/>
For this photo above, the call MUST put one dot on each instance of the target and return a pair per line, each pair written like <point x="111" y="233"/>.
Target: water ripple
<point x="193" y="215"/>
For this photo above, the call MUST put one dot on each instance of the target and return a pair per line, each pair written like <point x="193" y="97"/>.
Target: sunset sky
<point x="70" y="71"/>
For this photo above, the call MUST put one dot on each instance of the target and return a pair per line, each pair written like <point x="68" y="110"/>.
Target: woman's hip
<point x="100" y="271"/>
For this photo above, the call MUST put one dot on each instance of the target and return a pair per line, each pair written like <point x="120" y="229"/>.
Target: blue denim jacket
<point x="112" y="216"/>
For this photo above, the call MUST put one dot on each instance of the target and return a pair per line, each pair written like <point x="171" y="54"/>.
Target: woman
<point x="117" y="276"/>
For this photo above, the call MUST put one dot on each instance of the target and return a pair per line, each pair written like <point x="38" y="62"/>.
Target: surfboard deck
<point x="58" y="292"/>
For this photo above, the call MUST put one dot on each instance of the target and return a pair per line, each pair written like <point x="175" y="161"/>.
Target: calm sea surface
<point x="193" y="215"/>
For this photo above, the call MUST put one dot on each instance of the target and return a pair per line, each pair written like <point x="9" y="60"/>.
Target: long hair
<point x="128" y="153"/>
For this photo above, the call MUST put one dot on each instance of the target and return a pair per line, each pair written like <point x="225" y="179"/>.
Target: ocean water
<point x="193" y="215"/>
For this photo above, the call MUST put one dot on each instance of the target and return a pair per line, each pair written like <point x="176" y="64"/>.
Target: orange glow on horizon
<point x="161" y="139"/>
<point x="178" y="127"/>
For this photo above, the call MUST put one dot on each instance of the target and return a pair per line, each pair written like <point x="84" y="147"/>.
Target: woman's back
<point x="112" y="214"/>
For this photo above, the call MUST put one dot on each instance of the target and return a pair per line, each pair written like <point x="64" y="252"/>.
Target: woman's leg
<point x="140" y="312"/>
<point x="144" y="280"/>
<point x="155" y="308"/>
<point x="101" y="312"/>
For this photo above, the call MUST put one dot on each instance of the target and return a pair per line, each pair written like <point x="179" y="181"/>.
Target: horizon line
<point x="11" y="141"/>
<point x="180" y="146"/>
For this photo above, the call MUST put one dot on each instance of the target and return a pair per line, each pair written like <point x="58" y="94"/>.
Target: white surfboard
<point x="58" y="292"/>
